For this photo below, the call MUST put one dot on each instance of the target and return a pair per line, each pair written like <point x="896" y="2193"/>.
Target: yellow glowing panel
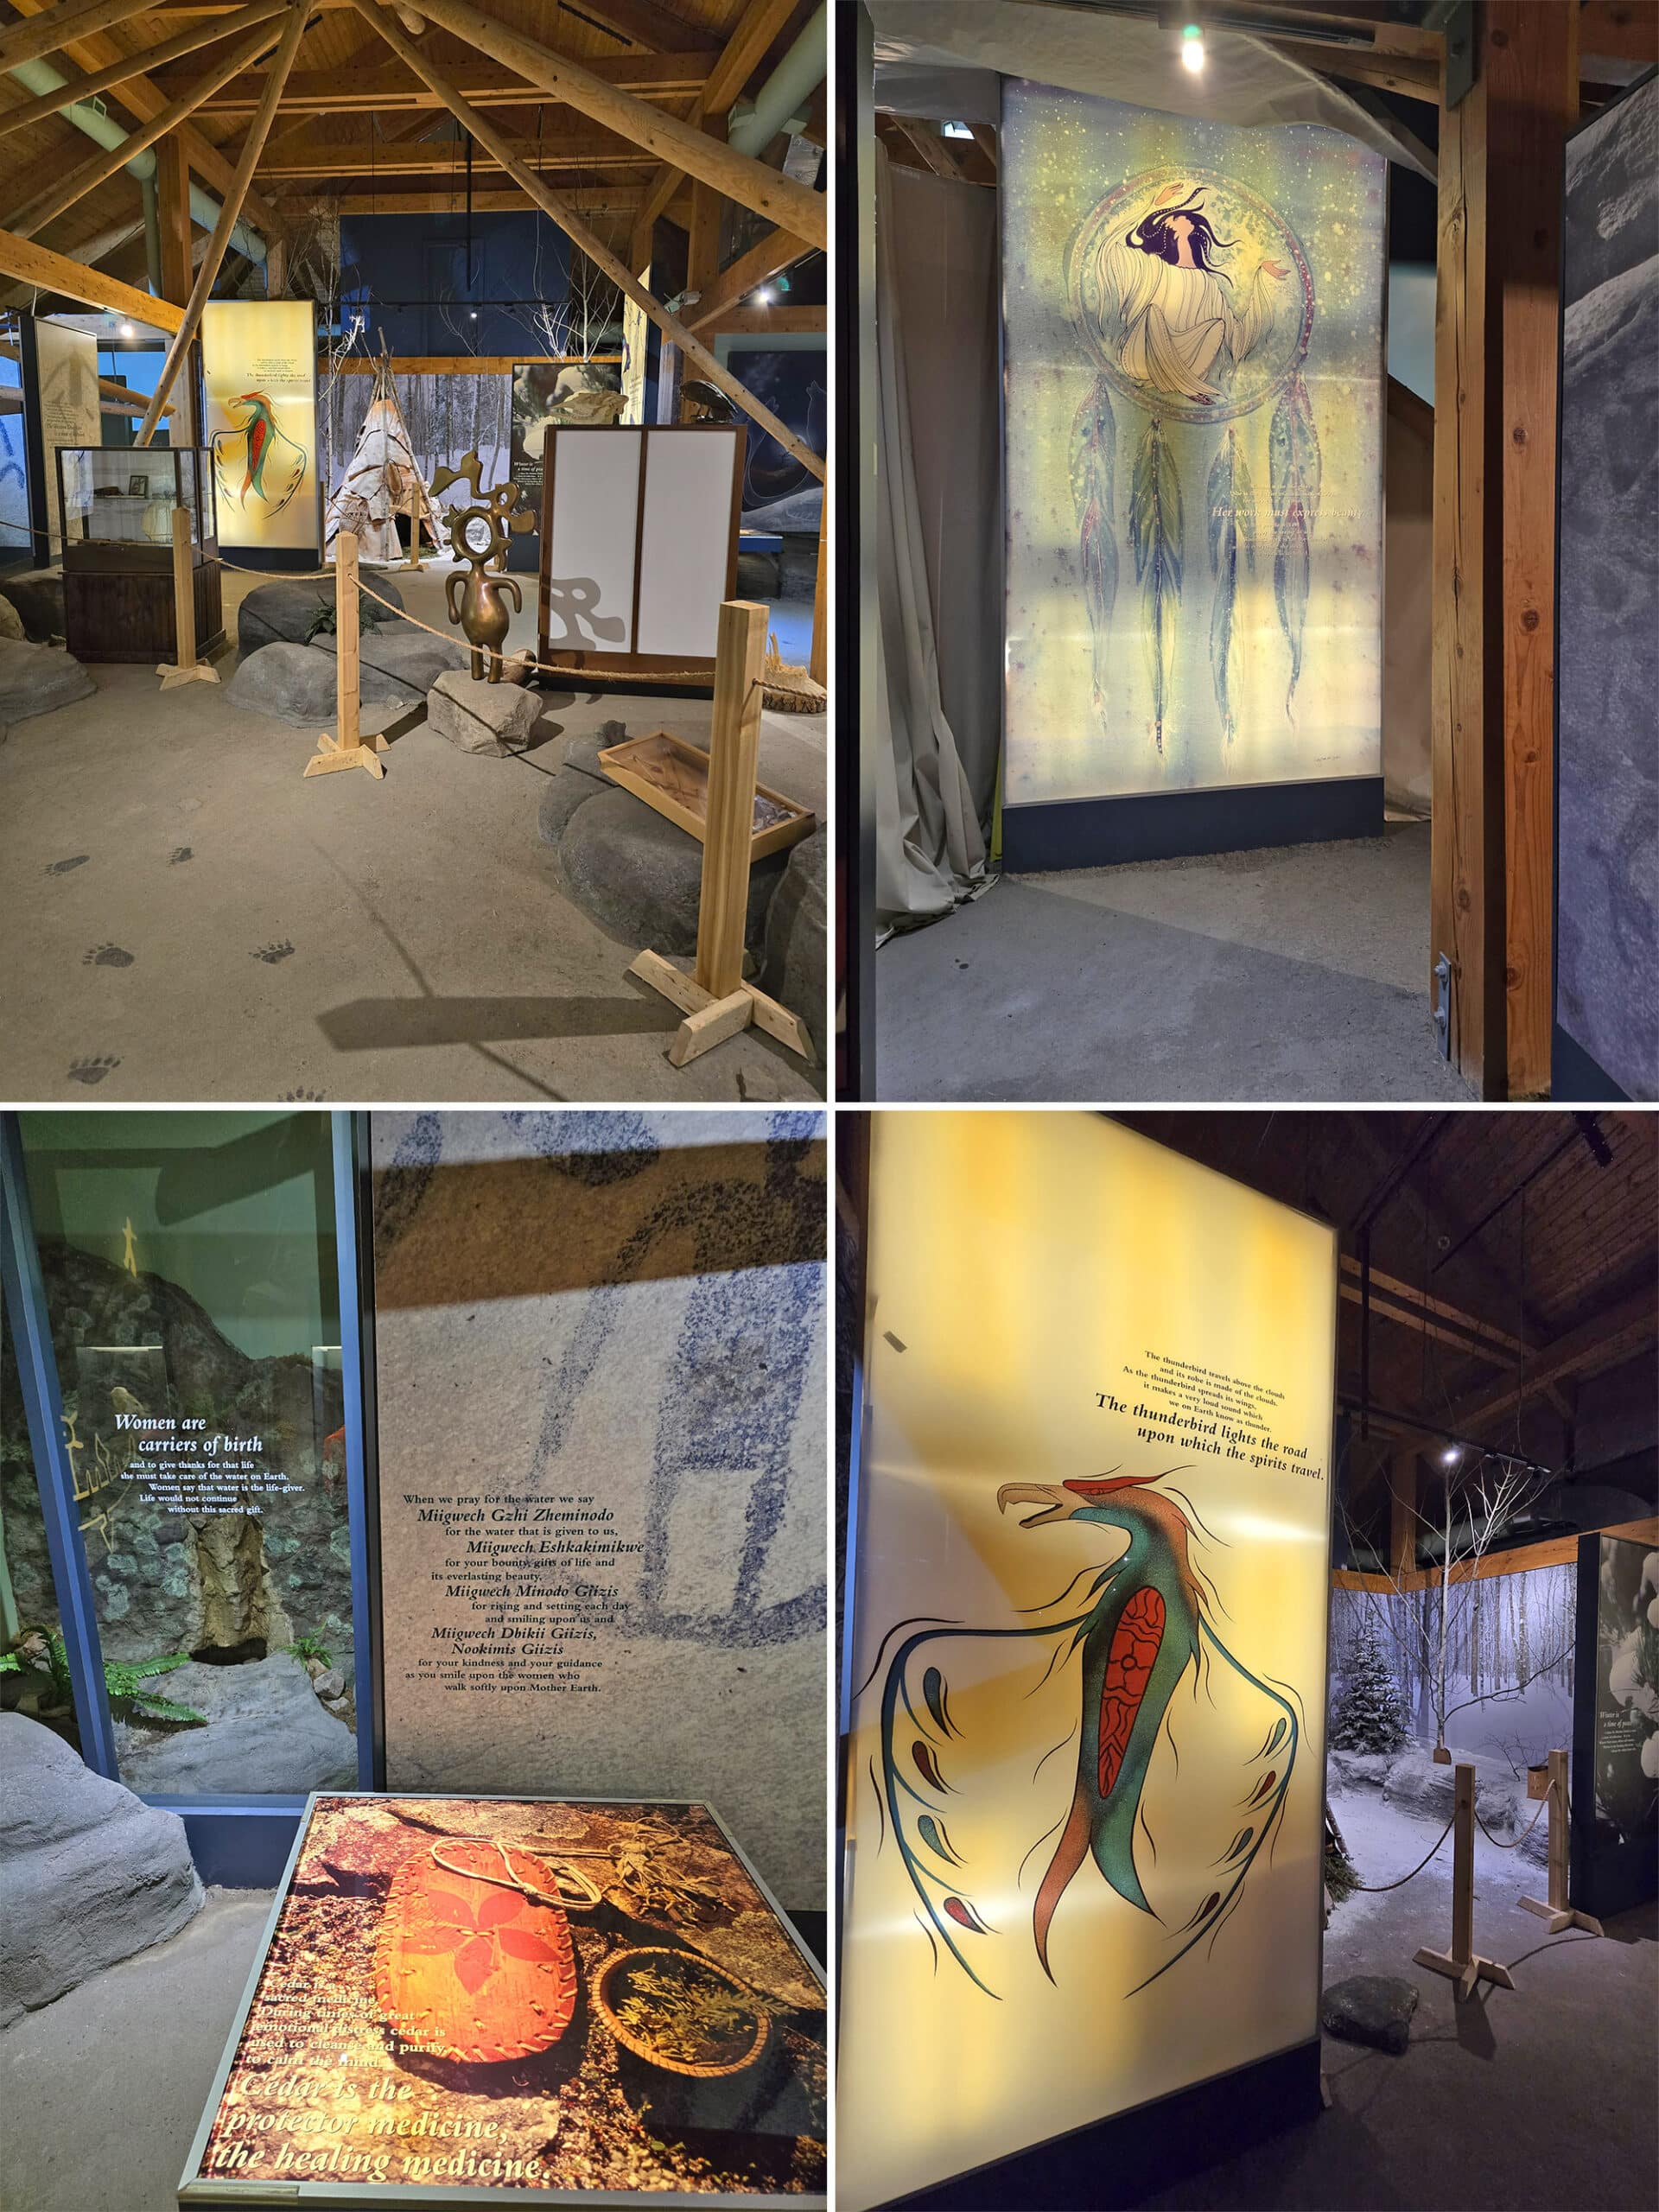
<point x="1194" y="365"/>
<point x="1087" y="1756"/>
<point x="259" y="373"/>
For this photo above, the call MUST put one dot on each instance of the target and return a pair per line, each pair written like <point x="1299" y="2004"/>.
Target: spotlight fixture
<point x="1193" y="47"/>
<point x="762" y="297"/>
<point x="471" y="314"/>
<point x="1452" y="1454"/>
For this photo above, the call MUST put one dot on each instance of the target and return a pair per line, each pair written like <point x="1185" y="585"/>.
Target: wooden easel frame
<point x="1461" y="1964"/>
<point x="716" y="1001"/>
<point x="1554" y="1908"/>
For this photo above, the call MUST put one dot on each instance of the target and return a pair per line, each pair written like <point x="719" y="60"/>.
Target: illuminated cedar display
<point x="1194" y="317"/>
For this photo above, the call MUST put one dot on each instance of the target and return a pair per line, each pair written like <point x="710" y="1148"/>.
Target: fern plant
<point x="369" y="615"/>
<point x="39" y="1653"/>
<point x="306" y="1648"/>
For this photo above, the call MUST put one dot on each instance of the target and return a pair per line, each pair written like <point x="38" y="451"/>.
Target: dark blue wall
<point x="395" y="267"/>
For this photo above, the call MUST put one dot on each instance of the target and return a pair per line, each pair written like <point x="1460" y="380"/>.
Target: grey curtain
<point x="929" y="846"/>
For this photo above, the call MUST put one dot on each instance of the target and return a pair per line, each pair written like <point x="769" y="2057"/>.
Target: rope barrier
<point x="1518" y="1840"/>
<point x="1380" y="1888"/>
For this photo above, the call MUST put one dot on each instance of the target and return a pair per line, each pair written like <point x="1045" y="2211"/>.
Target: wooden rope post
<point x="346" y="749"/>
<point x="1461" y="1964"/>
<point x="716" y="1001"/>
<point x="1555" y="1908"/>
<point x="186" y="669"/>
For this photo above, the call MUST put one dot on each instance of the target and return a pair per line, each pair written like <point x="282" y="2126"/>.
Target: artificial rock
<point x="482" y="717"/>
<point x="1419" y="1785"/>
<point x="1370" y="2008"/>
<point x="264" y="1722"/>
<point x="88" y="1874"/>
<point x="285" y="608"/>
<point x="33" y="679"/>
<point x="297" y="684"/>
<point x="796" y="938"/>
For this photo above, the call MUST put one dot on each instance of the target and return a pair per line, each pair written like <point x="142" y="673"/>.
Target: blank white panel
<point x="685" y="540"/>
<point x="595" y="517"/>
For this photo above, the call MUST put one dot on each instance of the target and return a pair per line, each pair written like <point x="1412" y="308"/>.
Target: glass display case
<point x="117" y="504"/>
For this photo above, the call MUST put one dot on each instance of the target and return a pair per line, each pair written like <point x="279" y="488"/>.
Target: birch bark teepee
<point x="379" y="478"/>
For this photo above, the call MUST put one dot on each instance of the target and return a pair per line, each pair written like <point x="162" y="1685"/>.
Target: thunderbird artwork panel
<point x="1090" y="1594"/>
<point x="1194" y="317"/>
<point x="499" y="1996"/>
<point x="259" y="377"/>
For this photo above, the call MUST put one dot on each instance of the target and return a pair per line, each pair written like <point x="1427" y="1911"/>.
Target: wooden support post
<point x="71" y="19"/>
<point x="415" y="503"/>
<point x="559" y="212"/>
<point x="715" y="999"/>
<point x="346" y="749"/>
<point x="229" y="215"/>
<point x="186" y="669"/>
<point x="1554" y="1908"/>
<point x="818" y="665"/>
<point x="1461" y="1963"/>
<point x="1497" y="324"/>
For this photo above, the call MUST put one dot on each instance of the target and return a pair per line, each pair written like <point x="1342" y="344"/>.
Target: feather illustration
<point x="1094" y="453"/>
<point x="1232" y="532"/>
<point x="1156" y="533"/>
<point x="1293" y="485"/>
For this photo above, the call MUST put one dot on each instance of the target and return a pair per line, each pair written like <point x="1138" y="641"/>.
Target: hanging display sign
<point x="493" y="2000"/>
<point x="259" y="375"/>
<point x="1194" y="409"/>
<point x="1085" y="1756"/>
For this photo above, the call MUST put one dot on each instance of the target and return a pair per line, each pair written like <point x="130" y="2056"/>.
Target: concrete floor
<point x="185" y="916"/>
<point x="1294" y="973"/>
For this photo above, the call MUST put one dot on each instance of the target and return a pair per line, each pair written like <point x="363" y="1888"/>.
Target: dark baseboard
<point x="277" y="561"/>
<point x="1176" y="825"/>
<point x="1118" y="2162"/>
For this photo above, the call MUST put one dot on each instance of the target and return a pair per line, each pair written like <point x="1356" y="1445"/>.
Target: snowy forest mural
<point x="1509" y="1659"/>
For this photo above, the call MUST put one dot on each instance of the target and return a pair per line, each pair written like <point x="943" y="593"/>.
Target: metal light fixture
<point x="1193" y="47"/>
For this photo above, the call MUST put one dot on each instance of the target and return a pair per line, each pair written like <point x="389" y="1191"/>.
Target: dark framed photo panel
<point x="465" y="2001"/>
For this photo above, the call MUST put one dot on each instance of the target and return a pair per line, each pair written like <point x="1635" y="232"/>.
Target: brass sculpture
<point x="477" y="535"/>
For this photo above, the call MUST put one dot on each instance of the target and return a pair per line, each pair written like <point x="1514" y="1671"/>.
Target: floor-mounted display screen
<point x="1086" y="1759"/>
<point x="1607" y="873"/>
<point x="1193" y="320"/>
<point x="492" y="1998"/>
<point x="259" y="376"/>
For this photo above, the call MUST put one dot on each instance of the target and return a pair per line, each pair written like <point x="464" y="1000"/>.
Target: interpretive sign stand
<point x="484" y="2000"/>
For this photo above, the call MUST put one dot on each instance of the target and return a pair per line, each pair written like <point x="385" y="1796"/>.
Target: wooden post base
<point x="331" y="754"/>
<point x="1561" y="1915"/>
<point x="1465" y="1972"/>
<point x="709" y="1021"/>
<point x="172" y="675"/>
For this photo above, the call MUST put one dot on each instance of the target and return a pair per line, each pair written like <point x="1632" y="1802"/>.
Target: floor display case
<point x="477" y="1999"/>
<point x="117" y="504"/>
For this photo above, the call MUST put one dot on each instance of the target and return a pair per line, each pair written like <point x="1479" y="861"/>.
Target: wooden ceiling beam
<point x="347" y="158"/>
<point x="140" y="97"/>
<point x="648" y="26"/>
<point x="738" y="176"/>
<point x="187" y="42"/>
<point x="1607" y="1340"/>
<point x="383" y="92"/>
<point x="106" y="161"/>
<point x="431" y="196"/>
<point x="778" y="249"/>
<point x="37" y="265"/>
<point x="52" y="30"/>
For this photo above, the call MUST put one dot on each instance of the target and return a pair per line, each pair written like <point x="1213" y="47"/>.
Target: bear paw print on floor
<point x="271" y="954"/>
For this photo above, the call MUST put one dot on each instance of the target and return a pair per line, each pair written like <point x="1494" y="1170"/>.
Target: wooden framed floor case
<point x="465" y="2000"/>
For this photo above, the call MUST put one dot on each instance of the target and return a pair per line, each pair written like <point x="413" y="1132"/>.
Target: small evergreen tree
<point x="1370" y="1715"/>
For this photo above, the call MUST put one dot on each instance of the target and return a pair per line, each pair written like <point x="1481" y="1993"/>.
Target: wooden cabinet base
<point x="117" y="617"/>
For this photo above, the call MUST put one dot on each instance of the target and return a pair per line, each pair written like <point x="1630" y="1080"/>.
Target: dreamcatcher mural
<point x="1193" y="326"/>
<point x="1194" y="450"/>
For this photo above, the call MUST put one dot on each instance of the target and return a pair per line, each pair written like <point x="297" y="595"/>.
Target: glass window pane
<point x="188" y="1260"/>
<point x="33" y="1677"/>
